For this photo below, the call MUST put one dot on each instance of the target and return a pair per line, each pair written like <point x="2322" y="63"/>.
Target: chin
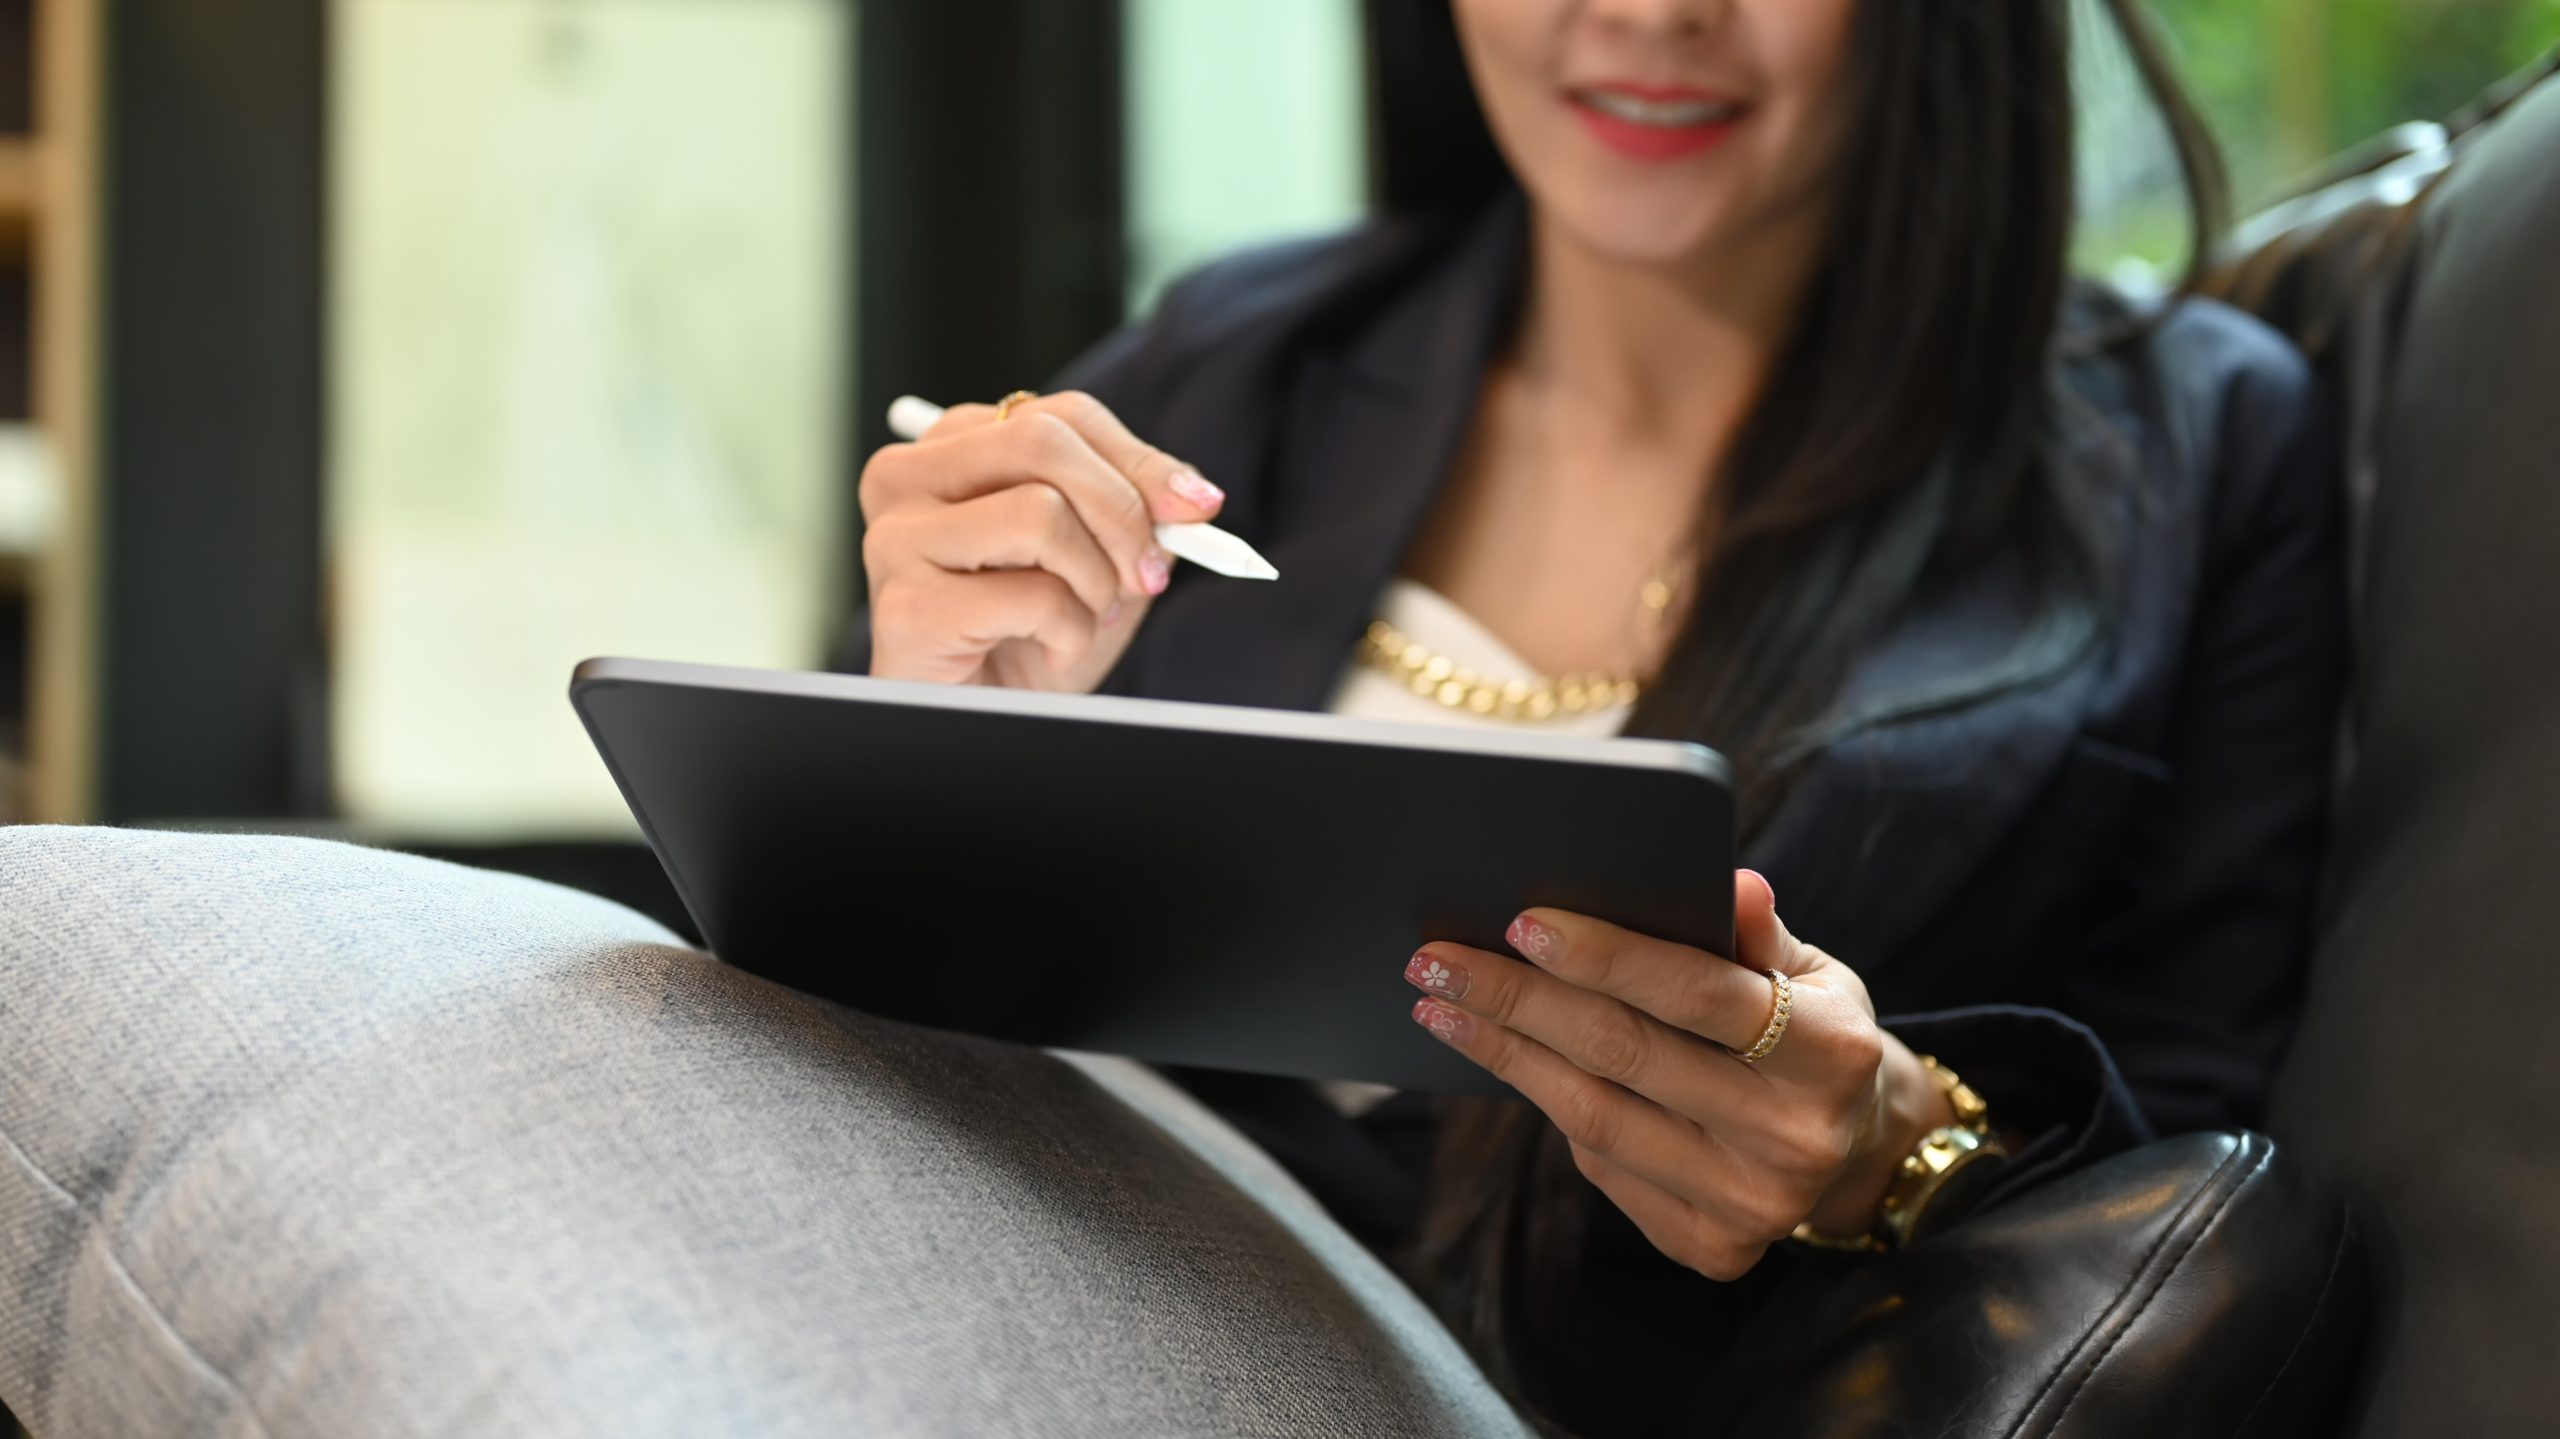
<point x="1649" y="230"/>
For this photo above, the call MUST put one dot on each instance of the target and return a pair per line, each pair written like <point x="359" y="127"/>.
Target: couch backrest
<point x="2426" y="1077"/>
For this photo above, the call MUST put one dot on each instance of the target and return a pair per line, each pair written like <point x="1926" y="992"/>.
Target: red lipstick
<point x="1661" y="131"/>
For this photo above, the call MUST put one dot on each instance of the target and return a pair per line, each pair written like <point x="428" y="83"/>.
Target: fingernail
<point x="1111" y="614"/>
<point x="1155" y="570"/>
<point x="1447" y="1023"/>
<point x="1765" y="884"/>
<point x="1534" y="939"/>
<point x="1436" y="975"/>
<point x="1198" y="491"/>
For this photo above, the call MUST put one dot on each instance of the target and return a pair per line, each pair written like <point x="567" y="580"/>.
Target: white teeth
<point x="1668" y="114"/>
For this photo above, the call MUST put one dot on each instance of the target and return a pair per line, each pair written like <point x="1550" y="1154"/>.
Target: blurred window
<point x="588" y="345"/>
<point x="1245" y="122"/>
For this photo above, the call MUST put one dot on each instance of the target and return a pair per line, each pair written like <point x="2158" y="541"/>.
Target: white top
<point x="1431" y="620"/>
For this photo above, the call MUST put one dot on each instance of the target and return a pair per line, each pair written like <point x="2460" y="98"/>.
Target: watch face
<point x="1959" y="1188"/>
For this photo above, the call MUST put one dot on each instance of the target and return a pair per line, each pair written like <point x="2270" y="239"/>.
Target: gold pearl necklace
<point x="1435" y="676"/>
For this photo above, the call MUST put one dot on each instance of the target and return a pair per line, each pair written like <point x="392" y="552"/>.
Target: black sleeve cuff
<point x="2053" y="1090"/>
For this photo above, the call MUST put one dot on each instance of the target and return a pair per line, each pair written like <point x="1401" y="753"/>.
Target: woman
<point x="1765" y="399"/>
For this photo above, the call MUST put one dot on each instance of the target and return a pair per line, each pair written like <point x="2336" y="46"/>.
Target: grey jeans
<point x="305" y="1139"/>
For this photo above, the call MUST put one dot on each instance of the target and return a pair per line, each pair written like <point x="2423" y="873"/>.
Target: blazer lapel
<point x="1369" y="436"/>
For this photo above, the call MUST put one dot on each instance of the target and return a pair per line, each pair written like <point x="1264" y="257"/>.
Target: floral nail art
<point x="1534" y="939"/>
<point x="1447" y="1023"/>
<point x="1440" y="977"/>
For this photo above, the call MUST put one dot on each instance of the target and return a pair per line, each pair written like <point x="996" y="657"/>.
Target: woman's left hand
<point x="1630" y="1046"/>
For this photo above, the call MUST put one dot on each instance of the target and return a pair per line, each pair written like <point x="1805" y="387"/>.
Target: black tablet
<point x="1181" y="883"/>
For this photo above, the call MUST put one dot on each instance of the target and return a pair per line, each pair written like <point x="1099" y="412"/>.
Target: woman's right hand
<point x="1019" y="552"/>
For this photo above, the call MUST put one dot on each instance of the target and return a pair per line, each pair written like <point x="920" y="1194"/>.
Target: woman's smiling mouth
<point x="1655" y="122"/>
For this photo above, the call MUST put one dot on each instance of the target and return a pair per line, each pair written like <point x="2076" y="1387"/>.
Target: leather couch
<point x="2424" y="1080"/>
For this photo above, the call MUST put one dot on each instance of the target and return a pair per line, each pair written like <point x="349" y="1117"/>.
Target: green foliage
<point x="2288" y="83"/>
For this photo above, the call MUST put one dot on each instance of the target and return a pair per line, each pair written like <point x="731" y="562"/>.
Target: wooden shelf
<point x="20" y="195"/>
<point x="48" y="213"/>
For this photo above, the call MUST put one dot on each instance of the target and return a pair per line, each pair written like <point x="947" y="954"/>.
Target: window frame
<point x="213" y="647"/>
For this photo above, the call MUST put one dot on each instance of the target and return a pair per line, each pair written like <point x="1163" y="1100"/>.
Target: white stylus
<point x="1207" y="546"/>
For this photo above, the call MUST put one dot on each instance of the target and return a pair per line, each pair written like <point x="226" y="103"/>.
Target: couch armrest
<point x="2202" y="1285"/>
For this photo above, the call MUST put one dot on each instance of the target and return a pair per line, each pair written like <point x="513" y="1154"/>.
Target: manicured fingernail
<point x="1447" y="1023"/>
<point x="1423" y="971"/>
<point x="1111" y="614"/>
<point x="1534" y="939"/>
<point x="1198" y="491"/>
<point x="1765" y="884"/>
<point x="1155" y="570"/>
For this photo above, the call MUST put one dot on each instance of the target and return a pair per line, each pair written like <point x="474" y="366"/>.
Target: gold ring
<point x="1005" y="406"/>
<point x="1782" y="1002"/>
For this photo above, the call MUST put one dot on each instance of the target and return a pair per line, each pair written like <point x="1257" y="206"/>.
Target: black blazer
<point x="2091" y="896"/>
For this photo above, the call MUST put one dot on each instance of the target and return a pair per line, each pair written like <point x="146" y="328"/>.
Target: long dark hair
<point x="1919" y="417"/>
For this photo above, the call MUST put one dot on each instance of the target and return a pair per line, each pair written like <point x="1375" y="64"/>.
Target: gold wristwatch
<point x="1938" y="1180"/>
